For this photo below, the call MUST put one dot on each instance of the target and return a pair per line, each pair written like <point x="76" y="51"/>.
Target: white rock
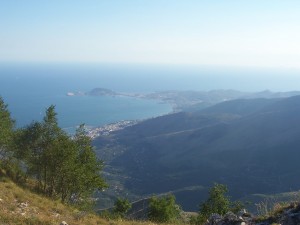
<point x="23" y="205"/>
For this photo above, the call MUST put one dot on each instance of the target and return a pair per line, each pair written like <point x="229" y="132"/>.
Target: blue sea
<point x="29" y="89"/>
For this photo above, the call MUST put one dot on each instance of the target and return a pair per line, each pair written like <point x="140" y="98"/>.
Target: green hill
<point x="250" y="145"/>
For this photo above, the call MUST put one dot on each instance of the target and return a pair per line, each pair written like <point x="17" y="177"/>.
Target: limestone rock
<point x="23" y="205"/>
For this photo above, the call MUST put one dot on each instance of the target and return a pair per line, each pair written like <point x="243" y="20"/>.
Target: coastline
<point x="161" y="97"/>
<point x="94" y="129"/>
<point x="107" y="129"/>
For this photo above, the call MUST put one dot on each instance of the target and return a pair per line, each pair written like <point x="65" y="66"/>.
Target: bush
<point x="121" y="207"/>
<point x="12" y="169"/>
<point x="107" y="215"/>
<point x="163" y="209"/>
<point x="218" y="202"/>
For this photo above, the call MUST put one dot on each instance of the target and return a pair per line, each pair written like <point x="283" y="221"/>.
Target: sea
<point x="29" y="88"/>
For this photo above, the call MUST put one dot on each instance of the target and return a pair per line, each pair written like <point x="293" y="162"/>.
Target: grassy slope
<point x="41" y="210"/>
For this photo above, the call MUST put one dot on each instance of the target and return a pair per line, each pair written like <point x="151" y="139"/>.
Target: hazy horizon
<point x="151" y="78"/>
<point x="250" y="34"/>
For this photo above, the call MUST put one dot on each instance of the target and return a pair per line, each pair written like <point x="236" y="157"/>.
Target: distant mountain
<point x="252" y="145"/>
<point x="192" y="100"/>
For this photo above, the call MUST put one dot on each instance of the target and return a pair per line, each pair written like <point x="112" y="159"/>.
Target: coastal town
<point x="109" y="128"/>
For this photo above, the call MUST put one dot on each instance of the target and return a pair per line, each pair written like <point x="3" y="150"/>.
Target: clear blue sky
<point x="213" y="32"/>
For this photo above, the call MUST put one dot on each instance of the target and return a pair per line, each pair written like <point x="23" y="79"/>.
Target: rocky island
<point x="102" y="92"/>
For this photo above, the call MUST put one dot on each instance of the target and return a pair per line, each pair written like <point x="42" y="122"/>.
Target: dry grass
<point x="19" y="206"/>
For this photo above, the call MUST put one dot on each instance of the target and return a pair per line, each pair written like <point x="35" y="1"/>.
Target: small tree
<point x="39" y="148"/>
<point x="8" y="162"/>
<point x="88" y="166"/>
<point x="6" y="130"/>
<point x="121" y="207"/>
<point x="217" y="202"/>
<point x="64" y="167"/>
<point x="163" y="209"/>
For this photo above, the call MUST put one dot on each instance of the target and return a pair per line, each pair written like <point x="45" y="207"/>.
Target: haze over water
<point x="30" y="88"/>
<point x="138" y="46"/>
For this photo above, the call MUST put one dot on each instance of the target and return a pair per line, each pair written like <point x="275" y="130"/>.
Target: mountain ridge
<point x="249" y="150"/>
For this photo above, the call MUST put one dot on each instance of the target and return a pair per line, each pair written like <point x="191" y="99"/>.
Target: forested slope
<point x="250" y="145"/>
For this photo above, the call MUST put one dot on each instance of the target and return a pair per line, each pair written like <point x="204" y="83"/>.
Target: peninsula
<point x="188" y="100"/>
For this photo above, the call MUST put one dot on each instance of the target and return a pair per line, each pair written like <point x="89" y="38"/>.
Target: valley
<point x="247" y="144"/>
<point x="150" y="112"/>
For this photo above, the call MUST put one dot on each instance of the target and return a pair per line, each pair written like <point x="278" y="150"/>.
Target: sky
<point x="251" y="33"/>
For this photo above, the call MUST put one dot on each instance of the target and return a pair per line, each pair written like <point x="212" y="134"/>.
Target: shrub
<point x="12" y="169"/>
<point x="163" y="209"/>
<point x="218" y="202"/>
<point x="121" y="207"/>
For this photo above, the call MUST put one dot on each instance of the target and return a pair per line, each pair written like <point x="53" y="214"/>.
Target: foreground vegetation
<point x="47" y="176"/>
<point x="43" y="158"/>
<point x="64" y="167"/>
<point x="20" y="206"/>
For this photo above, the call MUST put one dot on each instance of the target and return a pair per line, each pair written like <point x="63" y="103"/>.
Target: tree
<point x="62" y="168"/>
<point x="163" y="209"/>
<point x="6" y="130"/>
<point x="65" y="167"/>
<point x="217" y="202"/>
<point x="88" y="167"/>
<point x="31" y="149"/>
<point x="8" y="163"/>
<point x="38" y="145"/>
<point x="121" y="207"/>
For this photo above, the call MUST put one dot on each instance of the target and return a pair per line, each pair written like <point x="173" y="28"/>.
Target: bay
<point x="29" y="88"/>
<point x="28" y="91"/>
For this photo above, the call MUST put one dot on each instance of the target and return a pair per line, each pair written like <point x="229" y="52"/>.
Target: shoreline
<point x="107" y="129"/>
<point x="156" y="96"/>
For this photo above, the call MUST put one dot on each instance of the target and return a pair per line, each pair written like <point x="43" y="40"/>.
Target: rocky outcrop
<point x="289" y="215"/>
<point x="242" y="218"/>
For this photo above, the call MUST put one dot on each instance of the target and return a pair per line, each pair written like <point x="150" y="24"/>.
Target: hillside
<point x="250" y="145"/>
<point x="19" y="206"/>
